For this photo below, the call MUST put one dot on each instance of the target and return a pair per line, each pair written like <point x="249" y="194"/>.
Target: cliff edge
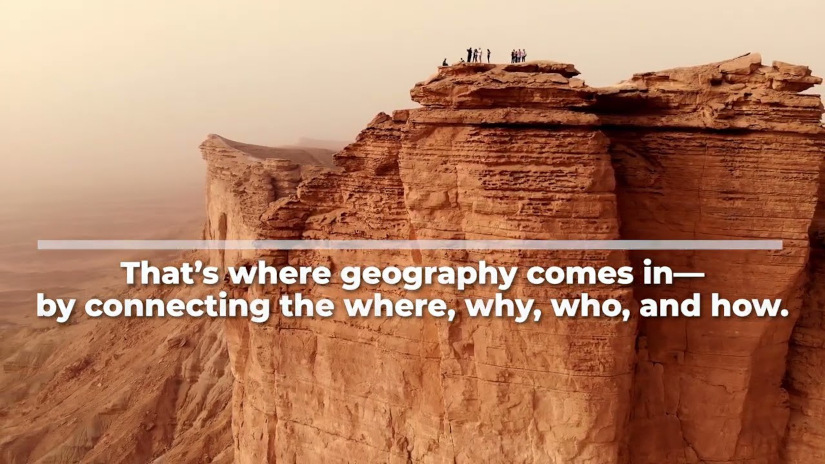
<point x="729" y="150"/>
<point x="529" y="151"/>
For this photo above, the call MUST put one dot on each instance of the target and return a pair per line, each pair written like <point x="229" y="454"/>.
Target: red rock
<point x="728" y="150"/>
<point x="523" y="151"/>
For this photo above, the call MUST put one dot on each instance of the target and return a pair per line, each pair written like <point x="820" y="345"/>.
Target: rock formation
<point x="723" y="151"/>
<point x="528" y="151"/>
<point x="729" y="150"/>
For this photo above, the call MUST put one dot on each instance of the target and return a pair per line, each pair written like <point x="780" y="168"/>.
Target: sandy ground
<point x="25" y="271"/>
<point x="74" y="392"/>
<point x="106" y="390"/>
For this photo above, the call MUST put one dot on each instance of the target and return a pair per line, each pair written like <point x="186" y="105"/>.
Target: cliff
<point x="729" y="150"/>
<point x="528" y="151"/>
<point x="725" y="151"/>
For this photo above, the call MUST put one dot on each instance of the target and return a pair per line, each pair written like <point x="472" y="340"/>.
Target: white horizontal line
<point x="688" y="274"/>
<point x="409" y="244"/>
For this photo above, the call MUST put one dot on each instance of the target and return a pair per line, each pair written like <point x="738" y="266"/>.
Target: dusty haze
<point x="107" y="96"/>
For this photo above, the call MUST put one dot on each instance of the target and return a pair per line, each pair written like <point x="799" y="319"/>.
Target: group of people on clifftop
<point x="476" y="55"/>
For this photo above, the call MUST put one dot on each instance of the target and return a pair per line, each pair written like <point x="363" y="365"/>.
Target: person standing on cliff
<point x="523" y="55"/>
<point x="488" y="56"/>
<point x="513" y="56"/>
<point x="445" y="62"/>
<point x="469" y="54"/>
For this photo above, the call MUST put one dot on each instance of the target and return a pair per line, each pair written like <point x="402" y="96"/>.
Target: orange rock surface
<point x="730" y="150"/>
<point x="724" y="151"/>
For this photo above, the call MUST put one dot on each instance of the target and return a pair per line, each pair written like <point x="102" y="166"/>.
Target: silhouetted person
<point x="469" y="55"/>
<point x="488" y="56"/>
<point x="445" y="62"/>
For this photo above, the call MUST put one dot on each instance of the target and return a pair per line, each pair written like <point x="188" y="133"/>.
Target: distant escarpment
<point x="729" y="150"/>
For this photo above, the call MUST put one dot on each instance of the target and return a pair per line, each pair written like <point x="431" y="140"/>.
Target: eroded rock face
<point x="724" y="151"/>
<point x="243" y="180"/>
<point x="729" y="150"/>
<point x="805" y="373"/>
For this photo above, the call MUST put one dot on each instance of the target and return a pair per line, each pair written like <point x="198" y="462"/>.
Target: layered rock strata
<point x="399" y="390"/>
<point x="723" y="151"/>
<point x="728" y="150"/>
<point x="805" y="371"/>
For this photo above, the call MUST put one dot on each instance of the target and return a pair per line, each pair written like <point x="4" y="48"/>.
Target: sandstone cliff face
<point x="753" y="176"/>
<point x="243" y="180"/>
<point x="728" y="150"/>
<point x="309" y="390"/>
<point x="805" y="378"/>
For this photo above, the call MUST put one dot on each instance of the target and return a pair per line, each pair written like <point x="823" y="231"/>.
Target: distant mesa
<point x="303" y="155"/>
<point x="335" y="145"/>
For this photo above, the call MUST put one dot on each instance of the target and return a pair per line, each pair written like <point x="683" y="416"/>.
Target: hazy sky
<point x="120" y="93"/>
